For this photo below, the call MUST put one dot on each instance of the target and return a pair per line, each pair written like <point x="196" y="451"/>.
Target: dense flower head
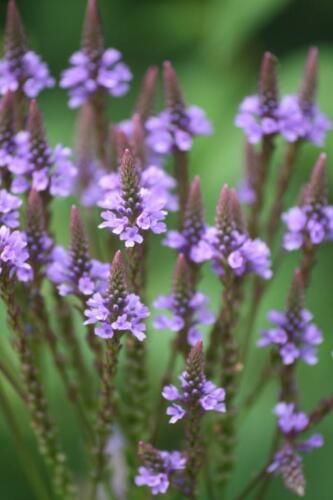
<point x="195" y="390"/>
<point x="14" y="255"/>
<point x="294" y="335"/>
<point x="294" y="117"/>
<point x="116" y="310"/>
<point x="28" y="73"/>
<point x="134" y="209"/>
<point x="159" y="468"/>
<point x="192" y="240"/>
<point x="56" y="175"/>
<point x="287" y="461"/>
<point x="311" y="222"/>
<point x="85" y="76"/>
<point x="231" y="246"/>
<point x="62" y="271"/>
<point x="9" y="209"/>
<point x="39" y="242"/>
<point x="7" y="132"/>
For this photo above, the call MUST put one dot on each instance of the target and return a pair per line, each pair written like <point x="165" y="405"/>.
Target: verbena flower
<point x="295" y="117"/>
<point x="193" y="238"/>
<point x="287" y="461"/>
<point x="87" y="76"/>
<point x="246" y="187"/>
<point x="187" y="308"/>
<point x="39" y="242"/>
<point x="14" y="254"/>
<point x="69" y="280"/>
<point x="9" y="209"/>
<point x="94" y="68"/>
<point x="117" y="311"/>
<point x="7" y="135"/>
<point x="231" y="246"/>
<point x="200" y="393"/>
<point x="159" y="469"/>
<point x="73" y="271"/>
<point x="134" y="210"/>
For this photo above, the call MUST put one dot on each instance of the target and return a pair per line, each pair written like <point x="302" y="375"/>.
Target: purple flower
<point x="116" y="310"/>
<point x="9" y="205"/>
<point x="245" y="191"/>
<point x="203" y="394"/>
<point x="29" y="74"/>
<point x="166" y="132"/>
<point x="54" y="172"/>
<point x="295" y="336"/>
<point x="88" y="75"/>
<point x="187" y="312"/>
<point x="158" y="471"/>
<point x="255" y="124"/>
<point x="14" y="255"/>
<point x="133" y="209"/>
<point x="71" y="278"/>
<point x="290" y="421"/>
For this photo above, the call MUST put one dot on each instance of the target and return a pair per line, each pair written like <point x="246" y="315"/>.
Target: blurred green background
<point x="216" y="46"/>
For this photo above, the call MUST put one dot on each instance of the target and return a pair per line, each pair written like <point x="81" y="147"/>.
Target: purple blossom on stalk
<point x="295" y="336"/>
<point x="193" y="238"/>
<point x="159" y="469"/>
<point x="176" y="126"/>
<point x="311" y="222"/>
<point x="21" y="69"/>
<point x="7" y="135"/>
<point x="94" y="68"/>
<point x="231" y="246"/>
<point x="187" y="309"/>
<point x="116" y="310"/>
<point x="9" y="209"/>
<point x="36" y="165"/>
<point x="39" y="243"/>
<point x="14" y="255"/>
<point x="287" y="461"/>
<point x="295" y="117"/>
<point x="134" y="210"/>
<point x="196" y="392"/>
<point x="73" y="271"/>
<point x="245" y="189"/>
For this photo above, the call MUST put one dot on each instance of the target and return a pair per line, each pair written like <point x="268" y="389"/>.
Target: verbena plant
<point x="119" y="171"/>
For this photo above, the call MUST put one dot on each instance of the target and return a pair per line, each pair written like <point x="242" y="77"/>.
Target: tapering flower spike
<point x="73" y="271"/>
<point x="145" y="102"/>
<point x="159" y="469"/>
<point x="117" y="310"/>
<point x="287" y="461"/>
<point x="193" y="238"/>
<point x="295" y="117"/>
<point x="36" y="165"/>
<point x="21" y="69"/>
<point x="246" y="188"/>
<point x="258" y="114"/>
<point x="311" y="222"/>
<point x="177" y="125"/>
<point x="195" y="392"/>
<point x="38" y="242"/>
<point x="187" y="308"/>
<point x="133" y="210"/>
<point x="295" y="336"/>
<point x="231" y="246"/>
<point x="94" y="68"/>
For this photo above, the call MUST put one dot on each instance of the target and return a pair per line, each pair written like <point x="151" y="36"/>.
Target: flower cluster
<point x="54" y="172"/>
<point x="287" y="461"/>
<point x="14" y="255"/>
<point x="159" y="469"/>
<point x="9" y="209"/>
<point x="29" y="74"/>
<point x="86" y="76"/>
<point x="205" y="394"/>
<point x="295" y="336"/>
<point x="167" y="131"/>
<point x="66" y="273"/>
<point x="133" y="210"/>
<point x="231" y="246"/>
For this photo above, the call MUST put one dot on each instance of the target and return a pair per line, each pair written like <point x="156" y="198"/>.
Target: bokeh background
<point x="215" y="46"/>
